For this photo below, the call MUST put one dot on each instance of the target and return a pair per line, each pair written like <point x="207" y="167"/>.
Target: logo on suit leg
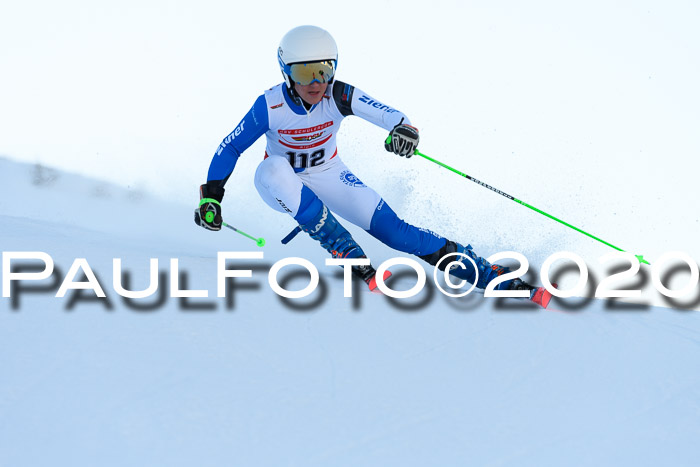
<point x="350" y="179"/>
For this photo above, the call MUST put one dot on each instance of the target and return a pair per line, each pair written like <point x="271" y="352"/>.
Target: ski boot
<point x="326" y="229"/>
<point x="487" y="272"/>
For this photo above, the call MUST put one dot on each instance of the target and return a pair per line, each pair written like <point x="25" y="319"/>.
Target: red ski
<point x="541" y="296"/>
<point x="372" y="282"/>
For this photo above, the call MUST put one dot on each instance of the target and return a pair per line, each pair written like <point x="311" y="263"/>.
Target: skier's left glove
<point x="402" y="140"/>
<point x="208" y="214"/>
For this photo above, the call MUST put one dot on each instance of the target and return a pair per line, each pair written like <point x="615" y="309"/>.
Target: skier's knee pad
<point x="277" y="184"/>
<point x="273" y="169"/>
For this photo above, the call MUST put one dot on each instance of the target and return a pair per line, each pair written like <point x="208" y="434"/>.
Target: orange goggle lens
<point x="307" y="73"/>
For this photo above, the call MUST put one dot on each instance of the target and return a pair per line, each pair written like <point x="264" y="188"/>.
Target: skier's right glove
<point x="208" y="214"/>
<point x="402" y="140"/>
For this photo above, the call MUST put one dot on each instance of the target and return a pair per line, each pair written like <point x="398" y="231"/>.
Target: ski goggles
<point x="312" y="72"/>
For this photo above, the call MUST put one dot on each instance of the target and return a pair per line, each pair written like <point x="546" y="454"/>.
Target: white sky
<point x="136" y="90"/>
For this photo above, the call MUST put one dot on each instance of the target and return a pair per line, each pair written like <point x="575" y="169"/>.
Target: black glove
<point x="208" y="214"/>
<point x="402" y="140"/>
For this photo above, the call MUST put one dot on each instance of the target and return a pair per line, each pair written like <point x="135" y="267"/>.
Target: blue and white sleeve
<point x="252" y="126"/>
<point x="353" y="101"/>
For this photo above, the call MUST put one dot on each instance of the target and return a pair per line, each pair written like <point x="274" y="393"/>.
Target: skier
<point x="302" y="173"/>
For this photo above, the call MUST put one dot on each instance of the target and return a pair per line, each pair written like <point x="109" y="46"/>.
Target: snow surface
<point x="324" y="380"/>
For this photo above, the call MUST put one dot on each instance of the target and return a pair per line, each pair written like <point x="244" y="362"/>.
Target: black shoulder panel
<point x="342" y="95"/>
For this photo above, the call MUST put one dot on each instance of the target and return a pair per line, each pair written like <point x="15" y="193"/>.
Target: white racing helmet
<point x="307" y="54"/>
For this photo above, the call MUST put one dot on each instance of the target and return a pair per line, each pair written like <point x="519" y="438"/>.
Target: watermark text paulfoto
<point x="43" y="268"/>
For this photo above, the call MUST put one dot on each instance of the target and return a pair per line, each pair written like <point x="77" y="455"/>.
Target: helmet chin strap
<point x="294" y="95"/>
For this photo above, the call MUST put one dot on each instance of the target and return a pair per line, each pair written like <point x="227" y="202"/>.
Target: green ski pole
<point x="259" y="241"/>
<point x="640" y="258"/>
